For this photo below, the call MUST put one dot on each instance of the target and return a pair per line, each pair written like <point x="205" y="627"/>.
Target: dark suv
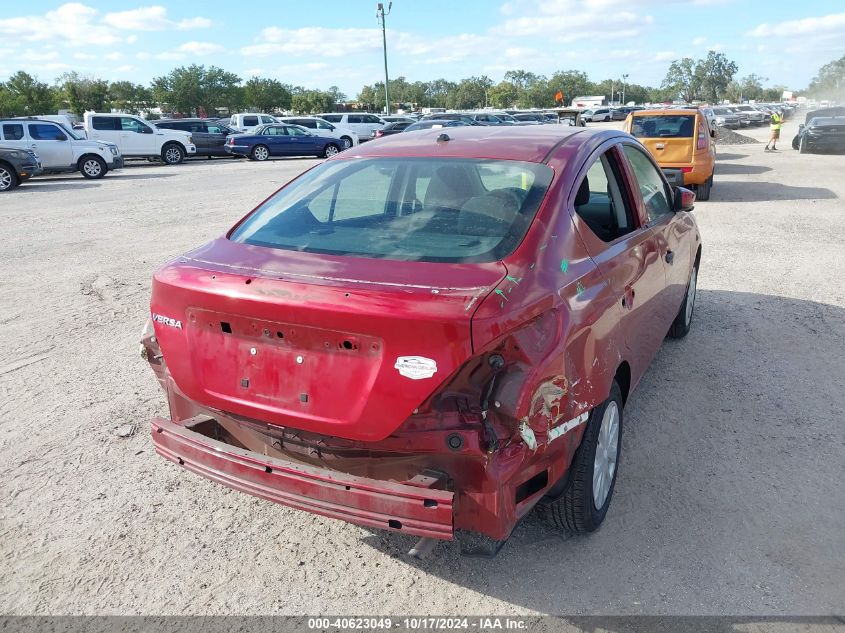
<point x="209" y="135"/>
<point x="17" y="165"/>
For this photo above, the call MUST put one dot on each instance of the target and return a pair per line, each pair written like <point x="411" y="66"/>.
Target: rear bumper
<point x="360" y="500"/>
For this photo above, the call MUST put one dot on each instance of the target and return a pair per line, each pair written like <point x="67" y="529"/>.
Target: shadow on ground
<point x="740" y="169"/>
<point x="739" y="191"/>
<point x="723" y="435"/>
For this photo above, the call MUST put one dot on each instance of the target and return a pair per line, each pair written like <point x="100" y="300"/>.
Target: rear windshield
<point x="663" y="126"/>
<point x="410" y="209"/>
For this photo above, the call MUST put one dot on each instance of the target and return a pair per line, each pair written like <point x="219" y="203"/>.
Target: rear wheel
<point x="584" y="503"/>
<point x="260" y="152"/>
<point x="702" y="192"/>
<point x="683" y="320"/>
<point x="796" y="140"/>
<point x="331" y="150"/>
<point x="8" y="178"/>
<point x="92" y="167"/>
<point x="347" y="142"/>
<point x="172" y="154"/>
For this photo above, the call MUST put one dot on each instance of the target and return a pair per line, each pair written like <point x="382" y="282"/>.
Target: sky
<point x="338" y="42"/>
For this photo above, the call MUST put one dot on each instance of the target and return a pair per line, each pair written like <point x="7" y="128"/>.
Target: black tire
<point x="683" y="320"/>
<point x="92" y="167"/>
<point x="702" y="192"/>
<point x="8" y="178"/>
<point x="172" y="154"/>
<point x="796" y="141"/>
<point x="331" y="150"/>
<point x="347" y="142"/>
<point x="575" y="510"/>
<point x="260" y="153"/>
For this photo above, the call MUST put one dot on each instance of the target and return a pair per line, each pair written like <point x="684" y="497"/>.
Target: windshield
<point x="663" y="126"/>
<point x="410" y="209"/>
<point x="73" y="133"/>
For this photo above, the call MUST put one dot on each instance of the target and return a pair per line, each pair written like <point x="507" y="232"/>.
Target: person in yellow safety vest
<point x="777" y="121"/>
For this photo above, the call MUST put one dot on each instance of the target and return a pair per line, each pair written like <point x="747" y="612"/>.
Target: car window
<point x="250" y="121"/>
<point x="12" y="131"/>
<point x="333" y="118"/>
<point x="274" y="130"/>
<point x="196" y="126"/>
<point x="371" y="118"/>
<point x="600" y="201"/>
<point x="45" y="132"/>
<point x="128" y="124"/>
<point x="214" y="128"/>
<point x="295" y="131"/>
<point x="411" y="209"/>
<point x="652" y="187"/>
<point x="355" y="118"/>
<point x="321" y="125"/>
<point x="309" y="123"/>
<point x="664" y="126"/>
<point x="105" y="123"/>
<point x="267" y="119"/>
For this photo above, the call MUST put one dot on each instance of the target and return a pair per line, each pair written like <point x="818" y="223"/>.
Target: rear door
<point x="217" y="134"/>
<point x="625" y="249"/>
<point x="107" y="128"/>
<point x="199" y="132"/>
<point x="15" y="136"/>
<point x="675" y="232"/>
<point x="51" y="143"/>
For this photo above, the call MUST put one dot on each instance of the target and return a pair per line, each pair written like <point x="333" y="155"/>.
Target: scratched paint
<point x="501" y="293"/>
<point x="564" y="265"/>
<point x="579" y="288"/>
<point x="567" y="426"/>
<point x="515" y="280"/>
<point x="528" y="436"/>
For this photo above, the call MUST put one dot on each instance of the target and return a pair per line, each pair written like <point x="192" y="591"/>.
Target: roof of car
<point x="527" y="143"/>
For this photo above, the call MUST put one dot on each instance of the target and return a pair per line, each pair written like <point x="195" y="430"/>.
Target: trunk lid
<point x="670" y="150"/>
<point x="341" y="346"/>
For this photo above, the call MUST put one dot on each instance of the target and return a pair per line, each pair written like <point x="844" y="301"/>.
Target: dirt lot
<point x="730" y="496"/>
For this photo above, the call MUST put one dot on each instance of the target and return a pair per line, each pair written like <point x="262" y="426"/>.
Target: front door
<point x="52" y="145"/>
<point x="301" y="143"/>
<point x="670" y="229"/>
<point x="136" y="137"/>
<point x="626" y="252"/>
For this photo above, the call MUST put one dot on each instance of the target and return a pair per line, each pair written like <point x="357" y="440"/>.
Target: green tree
<point x="128" y="97"/>
<point x="681" y="79"/>
<point x="266" y="95"/>
<point x="572" y="83"/>
<point x="830" y="81"/>
<point x="714" y="73"/>
<point x="336" y="94"/>
<point x="24" y="95"/>
<point x="504" y="95"/>
<point x="311" y="101"/>
<point x="186" y="88"/>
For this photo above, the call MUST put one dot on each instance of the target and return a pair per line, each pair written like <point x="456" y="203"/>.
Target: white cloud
<point x="132" y="39"/>
<point x="313" y="42"/>
<point x="113" y="56"/>
<point x="124" y="69"/>
<point x="71" y="24"/>
<point x="144" y="55"/>
<point x="566" y="21"/>
<point x="664" y="56"/>
<point x="200" y="48"/>
<point x="698" y="41"/>
<point x="516" y="52"/>
<point x="151" y="19"/>
<point x="825" y="25"/>
<point x="170" y="56"/>
<point x="39" y="56"/>
<point x="84" y="56"/>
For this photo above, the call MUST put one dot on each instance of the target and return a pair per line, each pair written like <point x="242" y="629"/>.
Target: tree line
<point x="196" y="88"/>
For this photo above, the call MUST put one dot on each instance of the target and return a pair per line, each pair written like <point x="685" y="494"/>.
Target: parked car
<point x="396" y="119"/>
<point x="318" y="126"/>
<point x="209" y="136"/>
<point x="429" y="336"/>
<point x="530" y="118"/>
<point x="248" y="121"/>
<point x="427" y="124"/>
<point x="681" y="142"/>
<point x="16" y="166"/>
<point x="812" y="114"/>
<point x="619" y="114"/>
<point x="723" y="117"/>
<point x="599" y="114"/>
<point x="392" y="128"/>
<point x="281" y="140"/>
<point x="59" y="148"/>
<point x="452" y="116"/>
<point x="755" y="116"/>
<point x="362" y="123"/>
<point x="823" y="133"/>
<point x="137" y="138"/>
<point x="486" y="118"/>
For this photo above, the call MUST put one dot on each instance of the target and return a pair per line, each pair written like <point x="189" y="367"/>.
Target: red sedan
<point x="432" y="333"/>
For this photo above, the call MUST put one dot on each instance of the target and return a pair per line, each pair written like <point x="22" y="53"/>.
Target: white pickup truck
<point x="138" y="138"/>
<point x="59" y="148"/>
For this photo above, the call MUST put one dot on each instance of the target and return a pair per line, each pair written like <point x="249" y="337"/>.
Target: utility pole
<point x="624" y="82"/>
<point x="380" y="15"/>
<point x="611" y="92"/>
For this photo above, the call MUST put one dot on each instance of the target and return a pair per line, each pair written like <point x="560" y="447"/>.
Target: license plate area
<point x="281" y="366"/>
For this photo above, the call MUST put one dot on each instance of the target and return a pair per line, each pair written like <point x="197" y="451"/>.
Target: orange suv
<point x="681" y="142"/>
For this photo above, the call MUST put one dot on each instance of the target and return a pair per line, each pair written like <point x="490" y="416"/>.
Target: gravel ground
<point x="729" y="499"/>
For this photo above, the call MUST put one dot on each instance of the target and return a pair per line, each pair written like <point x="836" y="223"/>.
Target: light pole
<point x="611" y="92"/>
<point x="380" y="15"/>
<point x="624" y="82"/>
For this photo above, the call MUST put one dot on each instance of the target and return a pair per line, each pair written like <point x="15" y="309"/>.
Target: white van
<point x="138" y="138"/>
<point x="248" y="121"/>
<point x="59" y="148"/>
<point x="361" y="123"/>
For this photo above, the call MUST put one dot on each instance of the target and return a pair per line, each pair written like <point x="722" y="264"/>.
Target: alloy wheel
<point x="331" y="150"/>
<point x="5" y="179"/>
<point x="261" y="153"/>
<point x="607" y="449"/>
<point x="92" y="168"/>
<point x="172" y="155"/>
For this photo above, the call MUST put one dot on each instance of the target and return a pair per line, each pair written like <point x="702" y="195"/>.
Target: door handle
<point x="670" y="257"/>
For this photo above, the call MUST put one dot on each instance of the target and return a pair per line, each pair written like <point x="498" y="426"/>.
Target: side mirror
<point x="713" y="133"/>
<point x="684" y="199"/>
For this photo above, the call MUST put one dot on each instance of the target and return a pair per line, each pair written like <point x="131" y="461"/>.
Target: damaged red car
<point x="429" y="334"/>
